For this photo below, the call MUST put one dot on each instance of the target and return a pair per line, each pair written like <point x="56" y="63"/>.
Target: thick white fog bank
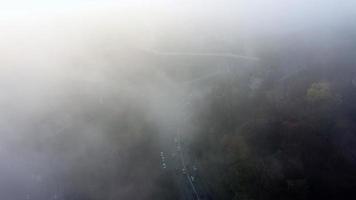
<point x="50" y="50"/>
<point x="67" y="81"/>
<point x="69" y="72"/>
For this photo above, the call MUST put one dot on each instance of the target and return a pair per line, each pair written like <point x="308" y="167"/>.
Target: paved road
<point x="186" y="174"/>
<point x="196" y="54"/>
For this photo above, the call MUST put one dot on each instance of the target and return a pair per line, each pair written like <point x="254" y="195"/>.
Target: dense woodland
<point x="281" y="134"/>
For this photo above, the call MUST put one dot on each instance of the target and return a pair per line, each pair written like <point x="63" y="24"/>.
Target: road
<point x="175" y="155"/>
<point x="177" y="160"/>
<point x="196" y="54"/>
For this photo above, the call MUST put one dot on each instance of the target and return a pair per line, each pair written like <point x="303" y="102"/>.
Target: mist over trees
<point x="178" y="100"/>
<point x="282" y="141"/>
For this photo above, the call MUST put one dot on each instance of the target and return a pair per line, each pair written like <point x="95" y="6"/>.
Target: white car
<point x="184" y="171"/>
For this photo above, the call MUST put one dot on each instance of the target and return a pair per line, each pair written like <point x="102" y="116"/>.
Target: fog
<point x="125" y="99"/>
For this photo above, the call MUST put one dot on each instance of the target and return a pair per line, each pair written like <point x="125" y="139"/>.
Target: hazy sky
<point x="292" y="12"/>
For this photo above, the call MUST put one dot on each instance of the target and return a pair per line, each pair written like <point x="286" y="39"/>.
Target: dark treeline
<point x="285" y="130"/>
